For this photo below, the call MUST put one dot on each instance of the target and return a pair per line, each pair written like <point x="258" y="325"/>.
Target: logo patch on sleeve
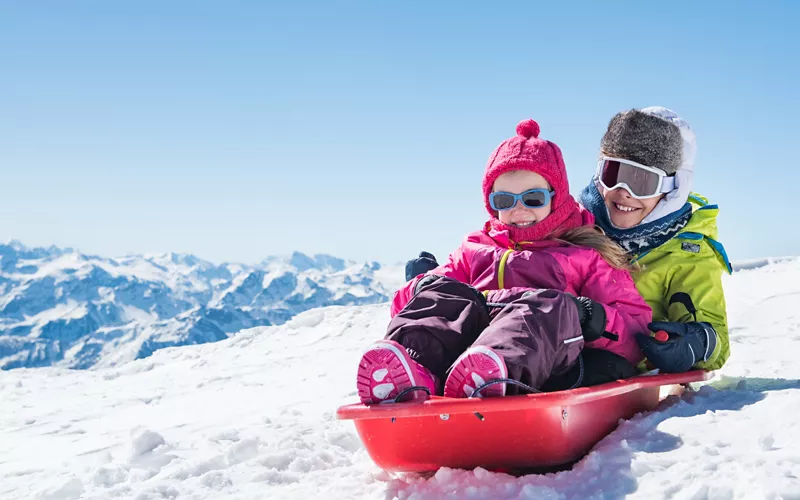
<point x="690" y="247"/>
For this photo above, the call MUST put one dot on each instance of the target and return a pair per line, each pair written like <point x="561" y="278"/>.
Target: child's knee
<point x="448" y="286"/>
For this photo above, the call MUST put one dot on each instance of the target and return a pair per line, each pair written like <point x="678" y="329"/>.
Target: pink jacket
<point x="489" y="260"/>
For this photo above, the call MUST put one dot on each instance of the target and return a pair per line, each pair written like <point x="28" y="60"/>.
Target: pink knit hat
<point x="526" y="151"/>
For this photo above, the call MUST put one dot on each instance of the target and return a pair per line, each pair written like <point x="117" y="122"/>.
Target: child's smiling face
<point x="625" y="210"/>
<point x="517" y="182"/>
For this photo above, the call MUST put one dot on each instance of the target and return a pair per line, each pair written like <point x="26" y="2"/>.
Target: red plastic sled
<point x="509" y="433"/>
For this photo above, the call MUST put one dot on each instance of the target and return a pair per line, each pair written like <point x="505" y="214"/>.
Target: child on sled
<point x="518" y="301"/>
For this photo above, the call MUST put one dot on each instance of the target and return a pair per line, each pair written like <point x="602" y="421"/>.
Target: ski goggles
<point x="533" y="198"/>
<point x="639" y="180"/>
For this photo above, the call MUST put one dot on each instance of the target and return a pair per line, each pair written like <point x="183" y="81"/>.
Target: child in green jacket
<point x="641" y="197"/>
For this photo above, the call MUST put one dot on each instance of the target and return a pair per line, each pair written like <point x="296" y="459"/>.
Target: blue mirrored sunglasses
<point x="533" y="198"/>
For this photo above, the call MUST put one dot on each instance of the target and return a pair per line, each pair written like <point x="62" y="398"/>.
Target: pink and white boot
<point x="386" y="370"/>
<point x="477" y="366"/>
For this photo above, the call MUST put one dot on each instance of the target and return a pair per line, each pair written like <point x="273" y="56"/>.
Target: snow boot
<point x="473" y="369"/>
<point x="386" y="371"/>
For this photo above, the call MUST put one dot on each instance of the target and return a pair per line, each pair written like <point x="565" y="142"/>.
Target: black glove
<point x="593" y="319"/>
<point x="421" y="265"/>
<point x="688" y="343"/>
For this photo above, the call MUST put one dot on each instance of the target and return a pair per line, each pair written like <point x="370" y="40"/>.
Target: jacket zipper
<point x="501" y="270"/>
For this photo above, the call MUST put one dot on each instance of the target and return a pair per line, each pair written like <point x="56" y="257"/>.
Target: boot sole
<point x="476" y="366"/>
<point x="384" y="371"/>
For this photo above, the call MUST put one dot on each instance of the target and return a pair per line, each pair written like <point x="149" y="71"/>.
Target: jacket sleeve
<point x="627" y="313"/>
<point x="701" y="279"/>
<point x="456" y="267"/>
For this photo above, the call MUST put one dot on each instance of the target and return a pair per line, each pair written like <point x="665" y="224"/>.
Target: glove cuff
<point x="592" y="318"/>
<point x="708" y="337"/>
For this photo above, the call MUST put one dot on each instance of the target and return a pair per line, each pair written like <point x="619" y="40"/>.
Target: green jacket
<point x="692" y="262"/>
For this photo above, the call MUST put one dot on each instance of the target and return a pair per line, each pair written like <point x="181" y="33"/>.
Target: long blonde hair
<point x="594" y="237"/>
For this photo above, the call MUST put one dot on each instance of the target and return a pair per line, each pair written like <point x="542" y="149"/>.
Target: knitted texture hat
<point x="525" y="151"/>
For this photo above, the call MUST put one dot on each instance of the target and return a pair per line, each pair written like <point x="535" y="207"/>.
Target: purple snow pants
<point x="537" y="332"/>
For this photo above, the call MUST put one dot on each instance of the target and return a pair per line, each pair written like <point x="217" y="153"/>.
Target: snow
<point x="149" y="302"/>
<point x="66" y="311"/>
<point x="253" y="417"/>
<point x="130" y="313"/>
<point x="57" y="267"/>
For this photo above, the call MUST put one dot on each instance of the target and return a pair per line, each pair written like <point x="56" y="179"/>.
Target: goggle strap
<point x="667" y="184"/>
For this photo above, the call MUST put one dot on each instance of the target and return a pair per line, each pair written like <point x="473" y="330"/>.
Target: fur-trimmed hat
<point x="644" y="138"/>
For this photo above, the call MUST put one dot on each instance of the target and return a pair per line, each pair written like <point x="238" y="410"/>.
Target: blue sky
<point x="237" y="130"/>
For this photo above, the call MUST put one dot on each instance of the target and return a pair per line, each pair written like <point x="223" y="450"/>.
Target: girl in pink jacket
<point x="517" y="302"/>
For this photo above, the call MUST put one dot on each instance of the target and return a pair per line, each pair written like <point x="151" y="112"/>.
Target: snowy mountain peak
<point x="14" y="250"/>
<point x="301" y="261"/>
<point x="66" y="308"/>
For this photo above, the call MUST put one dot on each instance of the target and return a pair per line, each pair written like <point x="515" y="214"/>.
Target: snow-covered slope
<point x="60" y="307"/>
<point x="253" y="417"/>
